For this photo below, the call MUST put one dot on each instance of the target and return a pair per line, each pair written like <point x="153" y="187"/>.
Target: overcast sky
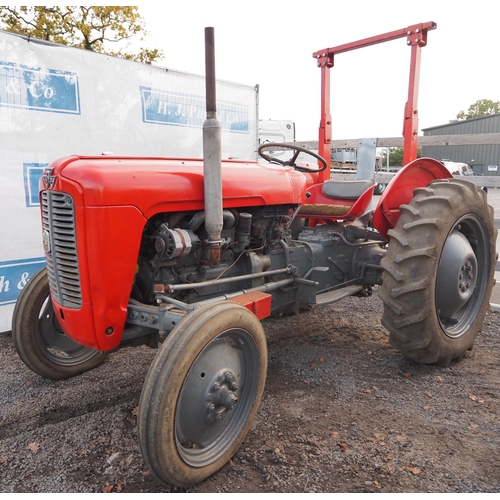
<point x="270" y="43"/>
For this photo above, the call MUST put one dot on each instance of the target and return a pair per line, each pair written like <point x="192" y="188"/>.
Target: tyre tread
<point x="411" y="267"/>
<point x="24" y="334"/>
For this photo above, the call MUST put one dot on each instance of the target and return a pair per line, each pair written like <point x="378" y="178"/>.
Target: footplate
<point x="336" y="295"/>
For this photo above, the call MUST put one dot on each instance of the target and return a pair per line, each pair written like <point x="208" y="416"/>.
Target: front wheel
<point x="439" y="272"/>
<point x="202" y="392"/>
<point x="39" y="340"/>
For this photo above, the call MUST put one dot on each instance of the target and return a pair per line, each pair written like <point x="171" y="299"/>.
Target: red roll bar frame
<point x="416" y="36"/>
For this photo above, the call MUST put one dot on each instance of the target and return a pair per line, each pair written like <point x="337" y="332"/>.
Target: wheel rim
<point x="54" y="343"/>
<point x="462" y="276"/>
<point x="217" y="397"/>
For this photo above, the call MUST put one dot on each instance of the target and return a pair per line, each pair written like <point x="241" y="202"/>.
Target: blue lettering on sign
<point x="32" y="173"/>
<point x="14" y="275"/>
<point x="187" y="110"/>
<point x="39" y="89"/>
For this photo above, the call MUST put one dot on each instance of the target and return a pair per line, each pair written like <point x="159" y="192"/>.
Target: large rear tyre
<point x="202" y="392"/>
<point x="39" y="340"/>
<point x="439" y="272"/>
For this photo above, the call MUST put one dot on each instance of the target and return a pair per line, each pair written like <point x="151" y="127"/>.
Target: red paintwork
<point x="115" y="196"/>
<point x="417" y="173"/>
<point x="416" y="38"/>
<point x="400" y="190"/>
<point x="358" y="207"/>
<point x="257" y="302"/>
<point x="171" y="184"/>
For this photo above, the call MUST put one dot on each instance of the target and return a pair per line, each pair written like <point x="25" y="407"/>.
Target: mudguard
<point x="418" y="173"/>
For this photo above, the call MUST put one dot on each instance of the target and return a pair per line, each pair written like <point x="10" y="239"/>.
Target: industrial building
<point x="484" y="159"/>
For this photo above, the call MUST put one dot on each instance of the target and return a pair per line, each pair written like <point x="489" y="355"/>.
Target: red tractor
<point x="188" y="255"/>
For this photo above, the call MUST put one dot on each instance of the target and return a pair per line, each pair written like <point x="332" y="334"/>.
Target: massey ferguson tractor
<point x="189" y="255"/>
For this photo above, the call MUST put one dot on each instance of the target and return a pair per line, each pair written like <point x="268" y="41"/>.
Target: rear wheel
<point x="439" y="272"/>
<point x="202" y="393"/>
<point x="39" y="340"/>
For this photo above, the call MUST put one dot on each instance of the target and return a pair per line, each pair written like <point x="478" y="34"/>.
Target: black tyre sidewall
<point x="157" y="408"/>
<point x="25" y="332"/>
<point x="435" y="346"/>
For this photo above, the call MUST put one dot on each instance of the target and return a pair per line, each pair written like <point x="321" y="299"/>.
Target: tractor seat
<point x="336" y="200"/>
<point x="349" y="190"/>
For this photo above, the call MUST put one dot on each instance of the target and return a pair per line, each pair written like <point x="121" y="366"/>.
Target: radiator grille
<point x="59" y="234"/>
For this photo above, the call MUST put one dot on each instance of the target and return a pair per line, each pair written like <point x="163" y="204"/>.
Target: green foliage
<point x="482" y="107"/>
<point x="396" y="156"/>
<point x="93" y="28"/>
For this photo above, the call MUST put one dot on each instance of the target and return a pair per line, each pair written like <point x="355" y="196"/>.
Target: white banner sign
<point x="57" y="101"/>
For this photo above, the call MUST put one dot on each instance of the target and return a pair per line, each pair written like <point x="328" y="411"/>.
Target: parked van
<point x="456" y="168"/>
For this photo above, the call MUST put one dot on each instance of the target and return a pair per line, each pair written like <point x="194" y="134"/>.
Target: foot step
<point x="336" y="295"/>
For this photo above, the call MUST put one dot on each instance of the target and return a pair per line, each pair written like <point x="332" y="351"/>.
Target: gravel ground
<point x="342" y="412"/>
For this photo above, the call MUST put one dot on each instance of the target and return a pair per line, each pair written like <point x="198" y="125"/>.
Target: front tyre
<point x="439" y="272"/>
<point x="202" y="392"/>
<point x="39" y="340"/>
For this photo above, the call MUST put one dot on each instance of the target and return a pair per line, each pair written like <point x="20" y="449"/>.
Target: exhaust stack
<point x="212" y="157"/>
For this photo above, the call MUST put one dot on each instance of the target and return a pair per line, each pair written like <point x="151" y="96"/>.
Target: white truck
<point x="277" y="131"/>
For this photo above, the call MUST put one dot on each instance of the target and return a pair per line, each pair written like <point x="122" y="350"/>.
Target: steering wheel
<point x="291" y="161"/>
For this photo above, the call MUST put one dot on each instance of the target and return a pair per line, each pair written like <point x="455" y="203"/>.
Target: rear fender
<point x="418" y="173"/>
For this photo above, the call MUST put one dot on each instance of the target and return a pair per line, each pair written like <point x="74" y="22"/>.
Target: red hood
<point x="167" y="184"/>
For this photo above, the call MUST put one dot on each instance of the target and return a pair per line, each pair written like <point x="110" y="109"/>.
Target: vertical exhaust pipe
<point x="212" y="158"/>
